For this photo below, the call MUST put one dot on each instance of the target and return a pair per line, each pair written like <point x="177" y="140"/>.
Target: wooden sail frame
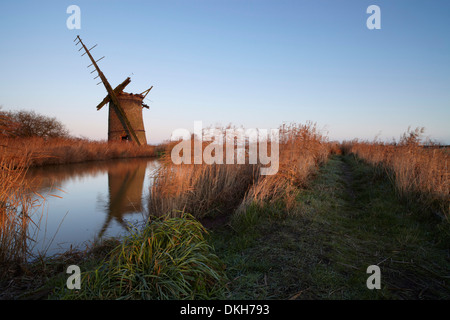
<point x="112" y="94"/>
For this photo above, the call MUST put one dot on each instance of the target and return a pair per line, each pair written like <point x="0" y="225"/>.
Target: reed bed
<point x="211" y="189"/>
<point x="15" y="207"/>
<point x="16" y="210"/>
<point x="199" y="189"/>
<point x="42" y="151"/>
<point x="303" y="148"/>
<point x="418" y="170"/>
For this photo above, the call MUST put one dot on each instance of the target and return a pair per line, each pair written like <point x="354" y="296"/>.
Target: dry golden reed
<point x="43" y="151"/>
<point x="204" y="189"/>
<point x="16" y="209"/>
<point x="419" y="171"/>
<point x="302" y="149"/>
<point x="199" y="189"/>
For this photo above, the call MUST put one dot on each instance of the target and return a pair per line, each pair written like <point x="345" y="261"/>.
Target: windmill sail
<point x="112" y="95"/>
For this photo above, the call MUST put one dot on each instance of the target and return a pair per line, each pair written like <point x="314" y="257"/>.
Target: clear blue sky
<point x="252" y="63"/>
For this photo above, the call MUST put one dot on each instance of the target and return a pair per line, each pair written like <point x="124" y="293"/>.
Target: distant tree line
<point x="27" y="124"/>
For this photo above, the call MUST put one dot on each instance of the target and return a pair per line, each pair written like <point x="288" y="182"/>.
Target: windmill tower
<point x="125" y="121"/>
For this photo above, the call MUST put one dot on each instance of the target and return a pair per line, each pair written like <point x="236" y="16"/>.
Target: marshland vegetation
<point x="225" y="231"/>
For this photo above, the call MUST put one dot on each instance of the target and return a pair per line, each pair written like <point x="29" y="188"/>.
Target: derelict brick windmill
<point x="125" y="121"/>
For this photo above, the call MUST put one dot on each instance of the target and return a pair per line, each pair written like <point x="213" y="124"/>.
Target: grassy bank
<point x="168" y="259"/>
<point x="418" y="170"/>
<point x="348" y="219"/>
<point x="212" y="191"/>
<point x="307" y="232"/>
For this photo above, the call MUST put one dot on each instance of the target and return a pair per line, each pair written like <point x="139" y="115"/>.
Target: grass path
<point x="348" y="219"/>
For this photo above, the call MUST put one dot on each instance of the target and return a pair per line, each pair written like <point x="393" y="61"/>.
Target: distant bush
<point x="27" y="124"/>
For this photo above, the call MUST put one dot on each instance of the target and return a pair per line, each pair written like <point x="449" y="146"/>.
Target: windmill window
<point x="125" y="137"/>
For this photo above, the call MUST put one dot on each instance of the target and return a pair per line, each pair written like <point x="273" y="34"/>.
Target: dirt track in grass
<point x="348" y="219"/>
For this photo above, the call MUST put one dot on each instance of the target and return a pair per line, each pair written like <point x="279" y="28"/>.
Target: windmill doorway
<point x="125" y="137"/>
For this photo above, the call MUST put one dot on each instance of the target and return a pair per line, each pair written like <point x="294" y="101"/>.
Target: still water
<point x="88" y="201"/>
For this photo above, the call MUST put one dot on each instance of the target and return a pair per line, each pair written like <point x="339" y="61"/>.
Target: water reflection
<point x="125" y="184"/>
<point x="87" y="201"/>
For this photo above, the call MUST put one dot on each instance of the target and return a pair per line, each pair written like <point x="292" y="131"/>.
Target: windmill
<point x="125" y="121"/>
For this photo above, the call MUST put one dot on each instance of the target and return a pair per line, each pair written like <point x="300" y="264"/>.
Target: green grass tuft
<point x="168" y="259"/>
